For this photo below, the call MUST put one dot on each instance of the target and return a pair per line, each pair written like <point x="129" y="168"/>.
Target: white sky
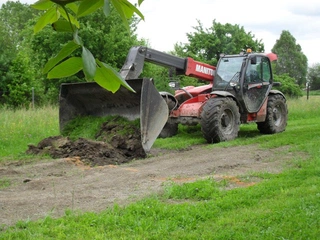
<point x="168" y="21"/>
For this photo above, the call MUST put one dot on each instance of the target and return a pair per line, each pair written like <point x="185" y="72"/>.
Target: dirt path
<point x="49" y="187"/>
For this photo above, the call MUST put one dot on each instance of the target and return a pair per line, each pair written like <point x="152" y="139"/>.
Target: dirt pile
<point x="113" y="144"/>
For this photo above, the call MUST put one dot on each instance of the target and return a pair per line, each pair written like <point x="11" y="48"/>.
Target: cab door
<point x="257" y="83"/>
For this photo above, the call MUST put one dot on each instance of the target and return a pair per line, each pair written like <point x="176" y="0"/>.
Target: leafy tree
<point x="160" y="76"/>
<point x="291" y="59"/>
<point x="314" y="76"/>
<point x="14" y="16"/>
<point x="207" y="44"/>
<point x="7" y="53"/>
<point x="19" y="88"/>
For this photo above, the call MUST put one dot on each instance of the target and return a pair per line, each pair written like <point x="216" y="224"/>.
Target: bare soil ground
<point x="87" y="175"/>
<point x="49" y="187"/>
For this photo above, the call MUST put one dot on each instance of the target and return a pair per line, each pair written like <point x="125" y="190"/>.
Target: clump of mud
<point x="112" y="145"/>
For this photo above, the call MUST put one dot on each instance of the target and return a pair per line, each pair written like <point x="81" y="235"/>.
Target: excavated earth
<point x="110" y="147"/>
<point x="87" y="175"/>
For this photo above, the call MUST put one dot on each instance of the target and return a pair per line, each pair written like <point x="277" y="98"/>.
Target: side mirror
<point x="276" y="84"/>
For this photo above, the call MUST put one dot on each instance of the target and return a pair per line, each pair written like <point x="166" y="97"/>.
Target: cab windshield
<point x="228" y="70"/>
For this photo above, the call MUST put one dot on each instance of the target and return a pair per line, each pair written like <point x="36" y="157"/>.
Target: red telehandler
<point x="239" y="90"/>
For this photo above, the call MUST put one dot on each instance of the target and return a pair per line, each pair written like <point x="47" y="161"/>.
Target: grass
<point x="22" y="127"/>
<point x="280" y="206"/>
<point x="313" y="93"/>
<point x="4" y="183"/>
<point x="89" y="126"/>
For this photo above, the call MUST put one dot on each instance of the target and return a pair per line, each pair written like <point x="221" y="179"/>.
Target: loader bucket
<point x="89" y="99"/>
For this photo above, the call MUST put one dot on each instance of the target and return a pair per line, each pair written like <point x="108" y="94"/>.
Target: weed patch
<point x="4" y="183"/>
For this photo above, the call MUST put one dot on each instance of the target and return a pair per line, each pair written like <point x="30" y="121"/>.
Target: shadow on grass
<point x="249" y="133"/>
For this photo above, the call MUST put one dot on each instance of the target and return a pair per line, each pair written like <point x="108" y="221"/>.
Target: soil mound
<point x="112" y="145"/>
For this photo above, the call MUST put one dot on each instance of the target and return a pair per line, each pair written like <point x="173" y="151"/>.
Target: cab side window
<point x="252" y="74"/>
<point x="266" y="70"/>
<point x="258" y="70"/>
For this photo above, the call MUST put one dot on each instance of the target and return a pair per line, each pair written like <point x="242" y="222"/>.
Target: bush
<point x="288" y="86"/>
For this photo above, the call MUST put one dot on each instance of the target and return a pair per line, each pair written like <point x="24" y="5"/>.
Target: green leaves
<point x="88" y="6"/>
<point x="64" y="53"/>
<point x="72" y="65"/>
<point x="104" y="75"/>
<point x="62" y="26"/>
<point x="50" y="16"/>
<point x="126" y="10"/>
<point x="62" y="65"/>
<point x="89" y="64"/>
<point x="67" y="68"/>
<point x="42" y="5"/>
<point x="109" y="79"/>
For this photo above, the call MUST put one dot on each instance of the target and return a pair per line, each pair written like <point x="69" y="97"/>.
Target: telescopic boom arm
<point x="134" y="63"/>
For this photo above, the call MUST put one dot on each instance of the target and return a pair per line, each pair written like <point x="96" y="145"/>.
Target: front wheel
<point x="277" y="115"/>
<point x="170" y="129"/>
<point x="220" y="119"/>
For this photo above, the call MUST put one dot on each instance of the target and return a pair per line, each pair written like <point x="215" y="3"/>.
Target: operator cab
<point x="247" y="76"/>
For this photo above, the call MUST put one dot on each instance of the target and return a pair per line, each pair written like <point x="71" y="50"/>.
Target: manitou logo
<point x="205" y="70"/>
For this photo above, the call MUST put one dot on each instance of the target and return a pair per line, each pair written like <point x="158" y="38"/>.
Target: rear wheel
<point x="277" y="115"/>
<point x="220" y="120"/>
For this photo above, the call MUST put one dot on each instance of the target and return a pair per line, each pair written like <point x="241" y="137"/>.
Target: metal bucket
<point x="90" y="99"/>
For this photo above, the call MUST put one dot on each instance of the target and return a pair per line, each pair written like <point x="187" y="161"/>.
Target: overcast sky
<point x="168" y="21"/>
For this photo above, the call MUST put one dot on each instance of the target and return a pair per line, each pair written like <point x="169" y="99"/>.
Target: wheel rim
<point x="277" y="115"/>
<point x="227" y="119"/>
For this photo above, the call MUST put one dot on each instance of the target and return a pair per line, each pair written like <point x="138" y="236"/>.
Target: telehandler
<point x="239" y="90"/>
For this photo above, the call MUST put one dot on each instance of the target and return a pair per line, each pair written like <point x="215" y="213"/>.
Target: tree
<point x="291" y="59"/>
<point x="14" y="17"/>
<point x="314" y="76"/>
<point x="71" y="11"/>
<point x="207" y="44"/>
<point x="19" y="88"/>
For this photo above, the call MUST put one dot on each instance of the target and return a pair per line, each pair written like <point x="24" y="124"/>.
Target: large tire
<point x="169" y="130"/>
<point x="220" y="120"/>
<point x="277" y="115"/>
